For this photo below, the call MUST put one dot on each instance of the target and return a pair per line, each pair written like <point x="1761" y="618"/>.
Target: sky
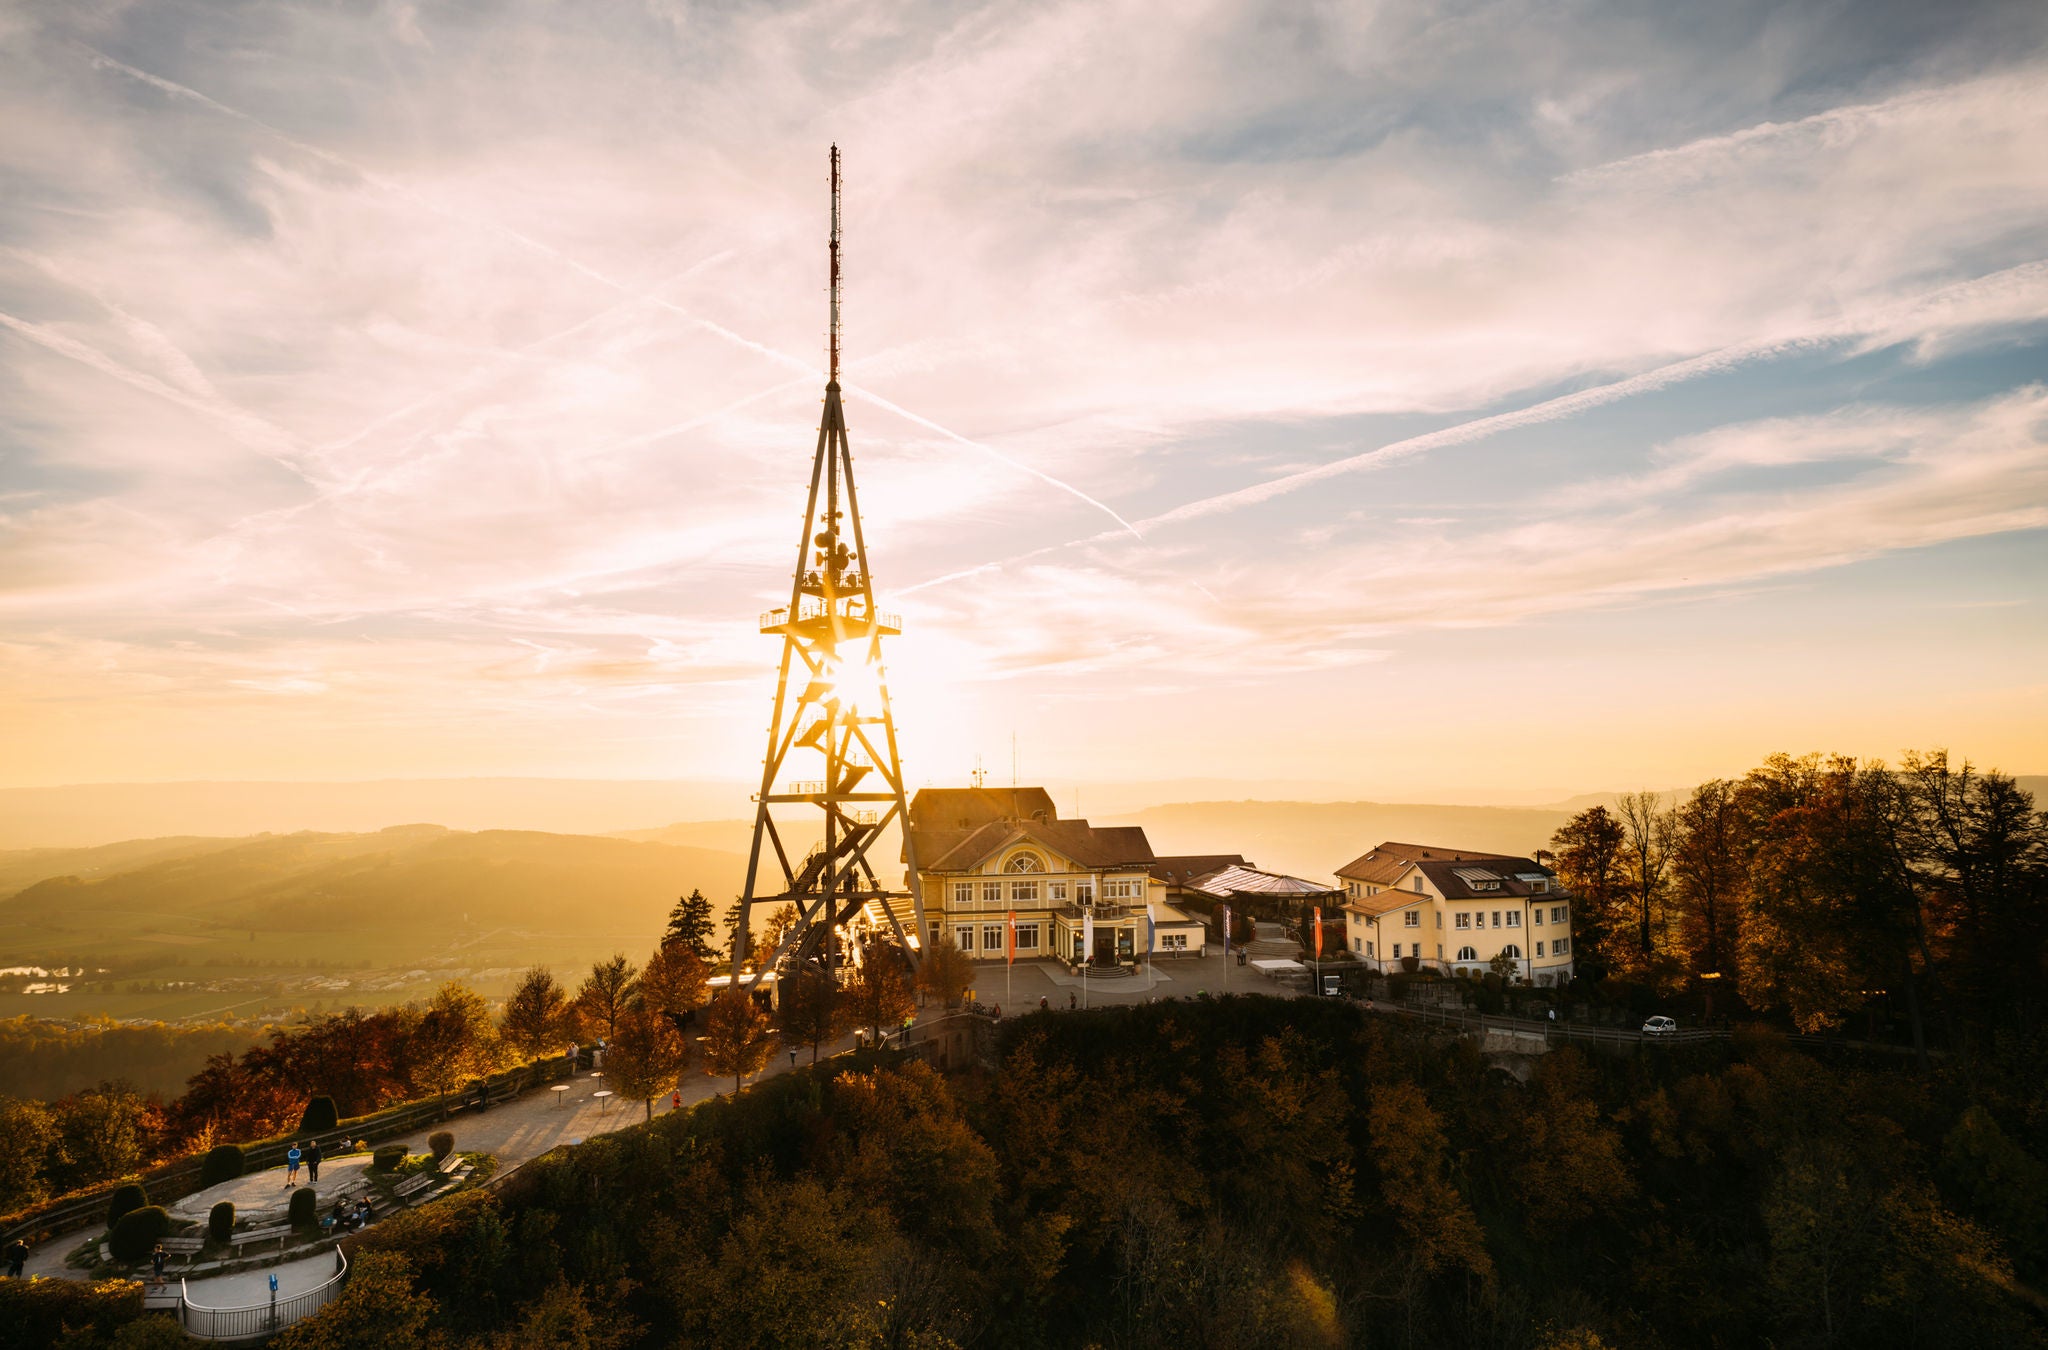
<point x="1464" y="401"/>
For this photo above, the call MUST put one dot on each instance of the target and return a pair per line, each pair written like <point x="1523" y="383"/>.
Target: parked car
<point x="1659" y="1026"/>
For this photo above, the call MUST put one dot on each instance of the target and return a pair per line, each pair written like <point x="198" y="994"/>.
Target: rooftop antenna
<point x="980" y="774"/>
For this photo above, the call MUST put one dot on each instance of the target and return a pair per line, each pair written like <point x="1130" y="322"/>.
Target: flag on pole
<point x="1012" y="926"/>
<point x="1319" y="932"/>
<point x="1226" y="928"/>
<point x="1088" y="935"/>
<point x="1151" y="930"/>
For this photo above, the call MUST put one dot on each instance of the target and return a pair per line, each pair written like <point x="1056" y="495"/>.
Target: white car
<point x="1659" y="1026"/>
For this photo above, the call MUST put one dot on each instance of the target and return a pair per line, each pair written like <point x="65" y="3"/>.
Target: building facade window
<point x="1368" y="949"/>
<point x="1358" y="944"/>
<point x="1121" y="889"/>
<point x="1173" y="942"/>
<point x="991" y="892"/>
<point x="1439" y="951"/>
<point x="1412" y="919"/>
<point x="1056" y="891"/>
<point x="1418" y="881"/>
<point x="1538" y="913"/>
<point x="963" y="938"/>
<point x="963" y="893"/>
<point x="992" y="939"/>
<point x="1557" y="913"/>
<point x="1539" y="949"/>
<point x="1026" y="862"/>
<point x="1561" y="945"/>
<point x="1512" y="952"/>
<point x="1027" y="937"/>
<point x="1514" y="918"/>
<point x="1461" y="921"/>
<point x="1496" y="918"/>
<point x="1023" y="892"/>
<point x="1084" y="892"/>
<point x="1467" y="954"/>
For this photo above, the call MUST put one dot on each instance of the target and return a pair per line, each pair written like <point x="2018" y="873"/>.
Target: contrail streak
<point x="102" y="60"/>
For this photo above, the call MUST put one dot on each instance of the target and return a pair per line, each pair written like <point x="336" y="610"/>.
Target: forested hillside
<point x="1259" y="1173"/>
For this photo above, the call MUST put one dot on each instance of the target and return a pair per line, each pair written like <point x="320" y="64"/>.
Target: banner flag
<point x="1226" y="928"/>
<point x="1088" y="936"/>
<point x="1319" y="932"/>
<point x="1151" y="933"/>
<point x="1012" y="930"/>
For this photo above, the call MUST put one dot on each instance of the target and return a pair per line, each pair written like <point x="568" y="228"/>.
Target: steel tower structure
<point x="832" y="700"/>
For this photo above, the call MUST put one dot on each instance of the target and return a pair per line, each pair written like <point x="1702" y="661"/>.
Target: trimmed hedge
<point x="320" y="1116"/>
<point x="220" y="1220"/>
<point x="440" y="1143"/>
<point x="224" y="1163"/>
<point x="304" y="1210"/>
<point x="138" y="1231"/>
<point x="388" y="1157"/>
<point x="130" y="1196"/>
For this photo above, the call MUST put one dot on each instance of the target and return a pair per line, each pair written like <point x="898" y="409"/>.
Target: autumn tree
<point x="99" y="1134"/>
<point x="28" y="1131"/>
<point x="690" y="927"/>
<point x="534" y="1015"/>
<point x="1707" y="872"/>
<point x="1589" y="853"/>
<point x="877" y="993"/>
<point x="673" y="985"/>
<point x="648" y="1056"/>
<point x="808" y="1002"/>
<point x="946" y="974"/>
<point x="1439" y="1231"/>
<point x="605" y="994"/>
<point x="455" y="1038"/>
<point x="779" y="924"/>
<point x="737" y="1036"/>
<point x="1646" y="843"/>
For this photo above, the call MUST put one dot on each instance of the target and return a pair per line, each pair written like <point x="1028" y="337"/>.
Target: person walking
<point x="156" y="1263"/>
<point x="1072" y="1003"/>
<point x="291" y="1167"/>
<point x="675" y="1100"/>
<point x="17" y="1257"/>
<point x="313" y="1163"/>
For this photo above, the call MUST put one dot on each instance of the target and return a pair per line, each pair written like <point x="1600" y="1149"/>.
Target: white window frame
<point x="992" y="930"/>
<point x="1024" y="893"/>
<point x="963" y="894"/>
<point x="1412" y="919"/>
<point x="963" y="936"/>
<point x="1462" y="921"/>
<point x="991" y="894"/>
<point x="1514" y="918"/>
<point x="1027" y="938"/>
<point x="1468" y="953"/>
<point x="1056" y="892"/>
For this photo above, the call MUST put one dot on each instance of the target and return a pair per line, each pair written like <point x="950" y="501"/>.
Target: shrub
<point x="220" y="1220"/>
<point x="45" y="1312"/>
<point x="138" y="1231"/>
<point x="127" y="1197"/>
<point x="320" y="1116"/>
<point x="304" y="1210"/>
<point x="440" y="1143"/>
<point x="388" y="1157"/>
<point x="222" y="1164"/>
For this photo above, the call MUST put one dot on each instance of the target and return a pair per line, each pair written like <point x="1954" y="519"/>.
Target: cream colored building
<point x="985" y="853"/>
<point x="1455" y="910"/>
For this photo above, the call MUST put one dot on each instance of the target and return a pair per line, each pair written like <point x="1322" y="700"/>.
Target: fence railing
<point x="175" y="1180"/>
<point x="1467" y="1020"/>
<point x="260" y="1319"/>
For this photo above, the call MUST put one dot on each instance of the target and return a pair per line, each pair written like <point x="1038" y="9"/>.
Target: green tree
<point x="28" y="1132"/>
<point x="737" y="1037"/>
<point x="808" y="1003"/>
<point x="377" y="1309"/>
<point x="1589" y="853"/>
<point x="455" y="1039"/>
<point x="606" y="994"/>
<point x="534" y="1016"/>
<point x="648" y="1056"/>
<point x="877" y="993"/>
<point x="945" y="974"/>
<point x="673" y="985"/>
<point x="689" y="926"/>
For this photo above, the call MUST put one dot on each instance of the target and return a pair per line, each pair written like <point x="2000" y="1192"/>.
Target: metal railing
<point x="818" y="609"/>
<point x="259" y="1319"/>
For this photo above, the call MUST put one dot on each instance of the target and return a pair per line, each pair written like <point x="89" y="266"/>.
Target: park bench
<point x="280" y="1231"/>
<point x="449" y="1163"/>
<point x="187" y="1247"/>
<point x="409" y="1191"/>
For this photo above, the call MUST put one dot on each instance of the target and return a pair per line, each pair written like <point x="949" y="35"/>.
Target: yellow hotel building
<point x="1455" y="910"/>
<point x="985" y="852"/>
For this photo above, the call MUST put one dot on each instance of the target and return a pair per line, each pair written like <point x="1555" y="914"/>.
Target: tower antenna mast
<point x="831" y="700"/>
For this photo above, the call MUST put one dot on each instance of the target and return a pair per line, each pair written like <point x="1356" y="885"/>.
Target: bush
<point x="45" y="1312"/>
<point x="440" y="1143"/>
<point x="320" y="1117"/>
<point x="220" y="1220"/>
<point x="127" y="1197"/>
<point x="138" y="1231"/>
<point x="304" y="1210"/>
<point x="388" y="1157"/>
<point x="222" y="1164"/>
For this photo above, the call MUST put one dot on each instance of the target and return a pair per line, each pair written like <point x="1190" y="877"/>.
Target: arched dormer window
<point x="1025" y="862"/>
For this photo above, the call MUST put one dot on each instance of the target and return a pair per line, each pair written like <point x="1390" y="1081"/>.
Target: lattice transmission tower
<point x="831" y="702"/>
